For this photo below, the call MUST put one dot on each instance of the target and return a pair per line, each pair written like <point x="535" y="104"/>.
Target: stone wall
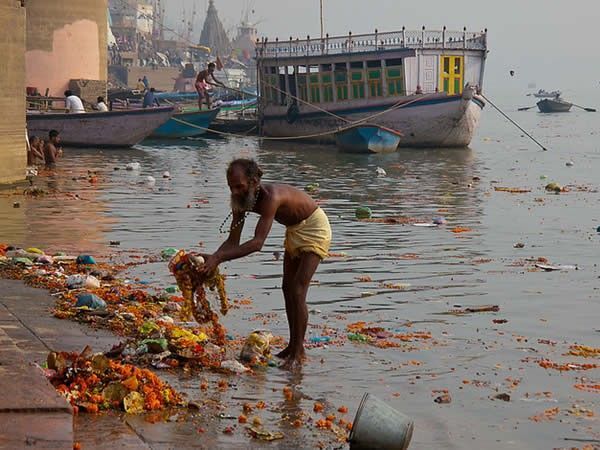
<point x="13" y="151"/>
<point x="66" y="40"/>
<point x="88" y="90"/>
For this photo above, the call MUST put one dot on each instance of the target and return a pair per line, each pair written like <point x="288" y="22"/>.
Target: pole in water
<point x="514" y="123"/>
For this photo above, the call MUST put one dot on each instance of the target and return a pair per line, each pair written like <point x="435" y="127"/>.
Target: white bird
<point x="381" y="172"/>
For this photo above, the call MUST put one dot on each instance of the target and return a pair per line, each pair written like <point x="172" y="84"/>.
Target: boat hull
<point x="99" y="129"/>
<point x="367" y="139"/>
<point x="187" y="124"/>
<point x="425" y="121"/>
<point x="552" y="106"/>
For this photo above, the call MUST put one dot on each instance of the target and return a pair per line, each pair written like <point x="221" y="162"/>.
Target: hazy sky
<point x="554" y="43"/>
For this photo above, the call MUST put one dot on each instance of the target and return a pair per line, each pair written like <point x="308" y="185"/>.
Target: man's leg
<point x="299" y="312"/>
<point x="199" y="101"/>
<point x="290" y="267"/>
<point x="208" y="100"/>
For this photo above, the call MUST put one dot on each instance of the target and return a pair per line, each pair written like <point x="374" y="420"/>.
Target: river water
<point x="469" y="355"/>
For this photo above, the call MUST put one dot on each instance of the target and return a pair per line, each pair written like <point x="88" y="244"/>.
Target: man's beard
<point x="243" y="204"/>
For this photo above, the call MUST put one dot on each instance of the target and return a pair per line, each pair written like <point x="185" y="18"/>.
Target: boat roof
<point x="375" y="42"/>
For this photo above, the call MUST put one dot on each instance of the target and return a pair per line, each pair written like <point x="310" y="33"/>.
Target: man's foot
<point x="284" y="353"/>
<point x="293" y="361"/>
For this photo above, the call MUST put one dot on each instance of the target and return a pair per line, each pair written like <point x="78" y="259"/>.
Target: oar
<point x="584" y="108"/>
<point x="525" y="109"/>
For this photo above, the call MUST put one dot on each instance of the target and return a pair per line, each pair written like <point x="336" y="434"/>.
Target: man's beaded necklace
<point x="243" y="219"/>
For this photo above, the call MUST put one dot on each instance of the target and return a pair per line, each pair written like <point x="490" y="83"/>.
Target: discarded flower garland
<point x="192" y="283"/>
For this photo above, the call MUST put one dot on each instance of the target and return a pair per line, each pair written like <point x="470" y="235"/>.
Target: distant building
<point x="213" y="33"/>
<point x="66" y="40"/>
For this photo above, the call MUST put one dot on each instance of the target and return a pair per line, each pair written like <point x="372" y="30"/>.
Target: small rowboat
<point x="368" y="139"/>
<point x="186" y="124"/>
<point x="555" y="105"/>
<point x="119" y="129"/>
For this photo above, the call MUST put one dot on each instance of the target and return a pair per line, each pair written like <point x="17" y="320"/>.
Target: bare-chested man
<point x="202" y="83"/>
<point x="52" y="149"/>
<point x="307" y="240"/>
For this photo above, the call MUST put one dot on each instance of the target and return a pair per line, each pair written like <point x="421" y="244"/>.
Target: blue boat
<point x="186" y="124"/>
<point x="368" y="139"/>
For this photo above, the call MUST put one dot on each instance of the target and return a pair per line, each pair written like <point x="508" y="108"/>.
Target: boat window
<point x="393" y="62"/>
<point x="327" y="81"/>
<point x="314" y="85"/>
<point x="341" y="81"/>
<point x="358" y="84"/>
<point x="302" y="89"/>
<point x="325" y="67"/>
<point x="356" y="65"/>
<point x="375" y="85"/>
<point x="373" y="64"/>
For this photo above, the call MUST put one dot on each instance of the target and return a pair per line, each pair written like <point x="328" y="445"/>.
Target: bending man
<point x="202" y="83"/>
<point x="307" y="240"/>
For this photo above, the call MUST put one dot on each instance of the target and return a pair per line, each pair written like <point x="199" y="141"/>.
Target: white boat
<point x="122" y="128"/>
<point x="423" y="84"/>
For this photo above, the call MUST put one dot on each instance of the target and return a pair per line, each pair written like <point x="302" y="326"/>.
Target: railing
<point x="428" y="39"/>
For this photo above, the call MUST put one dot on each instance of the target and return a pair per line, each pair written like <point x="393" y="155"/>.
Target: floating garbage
<point x="378" y="425"/>
<point x="380" y="172"/>
<point x="34" y="250"/>
<point x="85" y="259"/>
<point x="133" y="166"/>
<point x="320" y="339"/>
<point x="439" y="220"/>
<point x="312" y="187"/>
<point x="45" y="259"/>
<point x="234" y="366"/>
<point x="150" y="180"/>
<point x="554" y="187"/>
<point x="91" y="301"/>
<point x="91" y="282"/>
<point x="363" y="212"/>
<point x="168" y="253"/>
<point x="257" y="348"/>
<point x="569" y="164"/>
<point x="551" y="268"/>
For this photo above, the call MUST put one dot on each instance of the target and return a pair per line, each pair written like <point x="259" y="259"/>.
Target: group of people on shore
<point x="44" y="153"/>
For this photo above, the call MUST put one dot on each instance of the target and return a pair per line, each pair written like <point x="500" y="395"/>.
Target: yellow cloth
<point x="311" y="235"/>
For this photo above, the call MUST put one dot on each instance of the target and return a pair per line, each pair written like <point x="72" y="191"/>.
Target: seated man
<point x="149" y="99"/>
<point x="101" y="105"/>
<point x="73" y="103"/>
<point x="307" y="240"/>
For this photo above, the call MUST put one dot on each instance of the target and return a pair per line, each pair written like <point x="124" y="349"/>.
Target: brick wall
<point x="13" y="153"/>
<point x="88" y="90"/>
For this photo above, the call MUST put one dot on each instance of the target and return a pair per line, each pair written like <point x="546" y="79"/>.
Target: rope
<point x="514" y="123"/>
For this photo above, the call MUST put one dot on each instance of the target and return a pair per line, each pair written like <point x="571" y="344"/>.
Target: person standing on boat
<point x="307" y="241"/>
<point x="52" y="149"/>
<point x="202" y="83"/>
<point x="73" y="103"/>
<point x="146" y="82"/>
<point x="149" y="99"/>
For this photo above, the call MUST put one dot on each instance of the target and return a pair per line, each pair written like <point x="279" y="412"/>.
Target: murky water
<point x="471" y="356"/>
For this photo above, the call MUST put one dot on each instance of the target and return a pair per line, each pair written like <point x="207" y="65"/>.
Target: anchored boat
<point x="424" y="84"/>
<point x="554" y="105"/>
<point x="123" y="128"/>
<point x="186" y="124"/>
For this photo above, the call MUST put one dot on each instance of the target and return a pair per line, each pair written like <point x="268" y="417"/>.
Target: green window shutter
<point x="326" y="78"/>
<point x="357" y="76"/>
<point x="394" y="73"/>
<point x="374" y="74"/>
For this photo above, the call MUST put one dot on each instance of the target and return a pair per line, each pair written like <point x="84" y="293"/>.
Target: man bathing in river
<point x="307" y="240"/>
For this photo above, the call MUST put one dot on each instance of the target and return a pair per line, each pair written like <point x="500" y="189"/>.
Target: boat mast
<point x="322" y="27"/>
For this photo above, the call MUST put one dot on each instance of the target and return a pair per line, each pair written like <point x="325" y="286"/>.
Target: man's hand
<point x="211" y="262"/>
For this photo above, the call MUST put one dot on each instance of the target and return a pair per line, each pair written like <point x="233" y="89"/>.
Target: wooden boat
<point x="553" y="105"/>
<point x="123" y="128"/>
<point x="186" y="124"/>
<point x="368" y="139"/>
<point x="425" y="83"/>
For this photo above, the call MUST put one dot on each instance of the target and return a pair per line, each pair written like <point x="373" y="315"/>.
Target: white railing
<point x="430" y="39"/>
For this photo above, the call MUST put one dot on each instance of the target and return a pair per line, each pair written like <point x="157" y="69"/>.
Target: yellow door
<point x="451" y="74"/>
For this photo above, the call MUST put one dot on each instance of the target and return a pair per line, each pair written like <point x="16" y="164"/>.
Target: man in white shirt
<point x="101" y="105"/>
<point x="73" y="103"/>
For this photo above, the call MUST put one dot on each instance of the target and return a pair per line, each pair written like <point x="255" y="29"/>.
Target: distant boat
<point x="368" y="139"/>
<point x="554" y="105"/>
<point x="545" y="94"/>
<point x="123" y="128"/>
<point x="186" y="124"/>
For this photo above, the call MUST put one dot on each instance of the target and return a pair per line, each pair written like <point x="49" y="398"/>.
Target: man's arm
<point x="233" y="250"/>
<point x="216" y="82"/>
